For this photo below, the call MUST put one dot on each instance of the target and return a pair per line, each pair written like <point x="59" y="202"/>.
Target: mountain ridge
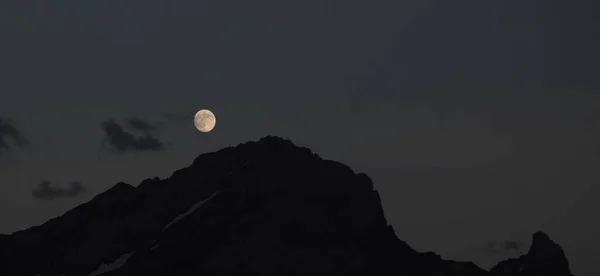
<point x="308" y="206"/>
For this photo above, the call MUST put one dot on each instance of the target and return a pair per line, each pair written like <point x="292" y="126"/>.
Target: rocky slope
<point x="544" y="258"/>
<point x="260" y="208"/>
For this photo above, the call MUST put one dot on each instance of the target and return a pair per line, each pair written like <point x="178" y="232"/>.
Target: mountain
<point x="260" y="208"/>
<point x="544" y="258"/>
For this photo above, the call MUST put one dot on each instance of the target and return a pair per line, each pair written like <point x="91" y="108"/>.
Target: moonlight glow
<point x="205" y="120"/>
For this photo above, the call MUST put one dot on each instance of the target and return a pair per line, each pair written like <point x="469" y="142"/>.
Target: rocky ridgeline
<point x="260" y="208"/>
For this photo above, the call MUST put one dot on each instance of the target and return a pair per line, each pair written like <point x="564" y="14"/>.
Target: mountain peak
<point x="540" y="237"/>
<point x="548" y="255"/>
<point x="274" y="139"/>
<point x="271" y="143"/>
<point x="265" y="207"/>
<point x="545" y="257"/>
<point x="544" y="248"/>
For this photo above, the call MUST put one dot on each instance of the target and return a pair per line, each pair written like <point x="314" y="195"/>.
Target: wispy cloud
<point x="45" y="191"/>
<point x="140" y="125"/>
<point x="512" y="245"/>
<point x="8" y="130"/>
<point x="122" y="141"/>
<point x="506" y="245"/>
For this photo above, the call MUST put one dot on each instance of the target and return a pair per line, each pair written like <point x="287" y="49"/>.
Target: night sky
<point x="479" y="121"/>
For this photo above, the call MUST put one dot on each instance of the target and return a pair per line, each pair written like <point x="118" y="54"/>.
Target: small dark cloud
<point x="45" y="191"/>
<point x="506" y="245"/>
<point x="123" y="141"/>
<point x="512" y="245"/>
<point x="140" y="125"/>
<point x="8" y="130"/>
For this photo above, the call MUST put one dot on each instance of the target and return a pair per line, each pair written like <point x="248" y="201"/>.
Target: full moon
<point x="205" y="120"/>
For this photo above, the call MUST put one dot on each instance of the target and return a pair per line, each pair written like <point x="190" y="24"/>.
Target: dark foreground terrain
<point x="260" y="208"/>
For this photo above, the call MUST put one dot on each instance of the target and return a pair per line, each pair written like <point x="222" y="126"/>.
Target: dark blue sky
<point x="477" y="120"/>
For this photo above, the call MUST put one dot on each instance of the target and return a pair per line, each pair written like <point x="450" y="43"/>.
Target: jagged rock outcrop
<point x="260" y="208"/>
<point x="544" y="257"/>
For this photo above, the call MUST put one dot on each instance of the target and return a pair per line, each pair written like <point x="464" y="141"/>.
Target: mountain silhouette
<point x="544" y="258"/>
<point x="264" y="207"/>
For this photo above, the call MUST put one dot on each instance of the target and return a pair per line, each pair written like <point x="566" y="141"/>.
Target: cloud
<point x="512" y="245"/>
<point x="123" y="141"/>
<point x="140" y="125"/>
<point x="45" y="191"/>
<point x="9" y="130"/>
<point x="506" y="245"/>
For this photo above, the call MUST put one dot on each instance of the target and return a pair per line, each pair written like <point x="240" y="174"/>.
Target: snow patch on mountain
<point x="118" y="263"/>
<point x="190" y="211"/>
